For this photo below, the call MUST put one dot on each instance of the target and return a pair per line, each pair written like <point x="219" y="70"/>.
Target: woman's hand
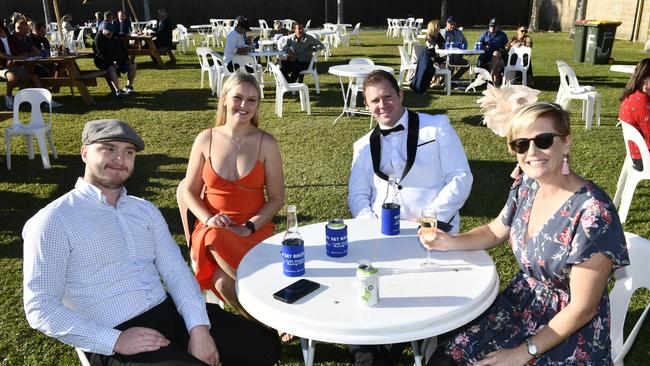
<point x="441" y="241"/>
<point x="219" y="220"/>
<point x="240" y="230"/>
<point x="506" y="357"/>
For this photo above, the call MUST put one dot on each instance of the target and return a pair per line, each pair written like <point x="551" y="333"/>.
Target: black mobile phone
<point x="296" y="291"/>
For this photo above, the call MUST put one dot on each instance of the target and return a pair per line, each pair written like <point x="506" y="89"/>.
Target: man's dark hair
<point x="377" y="76"/>
<point x="39" y="25"/>
<point x="107" y="15"/>
<point x="296" y="25"/>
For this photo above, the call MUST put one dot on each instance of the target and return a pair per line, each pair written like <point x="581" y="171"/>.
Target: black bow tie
<point x="388" y="131"/>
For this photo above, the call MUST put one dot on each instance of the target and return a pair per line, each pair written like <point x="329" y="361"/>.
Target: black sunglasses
<point x="523" y="30"/>
<point x="542" y="141"/>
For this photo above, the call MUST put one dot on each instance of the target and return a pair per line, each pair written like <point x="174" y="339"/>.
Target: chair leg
<point x="400" y="76"/>
<point x="626" y="197"/>
<point x="8" y="149"/>
<point x="317" y="83"/>
<point x="45" y="156"/>
<point x="306" y="99"/>
<point x="278" y="100"/>
<point x="448" y="83"/>
<point x="590" y="112"/>
<point x="202" y="72"/>
<point x="30" y="146"/>
<point x="621" y="182"/>
<point x="52" y="146"/>
<point x="597" y="101"/>
<point x="211" y="81"/>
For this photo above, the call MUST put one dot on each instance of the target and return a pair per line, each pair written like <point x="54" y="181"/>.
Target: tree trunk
<point x="339" y="10"/>
<point x="147" y="11"/>
<point x="533" y="24"/>
<point x="581" y="13"/>
<point x="443" y="12"/>
<point x="46" y="10"/>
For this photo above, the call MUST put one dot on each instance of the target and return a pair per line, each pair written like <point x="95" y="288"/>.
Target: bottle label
<point x="367" y="286"/>
<point x="336" y="240"/>
<point x="390" y="219"/>
<point x="293" y="257"/>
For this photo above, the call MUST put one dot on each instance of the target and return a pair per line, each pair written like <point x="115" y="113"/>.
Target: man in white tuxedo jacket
<point x="422" y="151"/>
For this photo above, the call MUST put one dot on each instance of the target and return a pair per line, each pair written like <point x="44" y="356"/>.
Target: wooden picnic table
<point x="144" y="45"/>
<point x="67" y="73"/>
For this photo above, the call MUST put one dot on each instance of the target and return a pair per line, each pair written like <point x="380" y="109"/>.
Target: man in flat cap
<point x="103" y="273"/>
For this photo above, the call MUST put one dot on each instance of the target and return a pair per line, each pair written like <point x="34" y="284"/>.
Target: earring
<point x="516" y="172"/>
<point x="565" y="165"/>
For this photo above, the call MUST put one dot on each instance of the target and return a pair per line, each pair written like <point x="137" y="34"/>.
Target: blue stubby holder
<point x="390" y="221"/>
<point x="293" y="260"/>
<point x="336" y="241"/>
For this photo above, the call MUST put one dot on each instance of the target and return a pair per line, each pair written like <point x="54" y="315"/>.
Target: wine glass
<point x="428" y="224"/>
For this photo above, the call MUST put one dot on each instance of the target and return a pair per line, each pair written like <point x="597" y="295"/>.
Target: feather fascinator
<point x="500" y="104"/>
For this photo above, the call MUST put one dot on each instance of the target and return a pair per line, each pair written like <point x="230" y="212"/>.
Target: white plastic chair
<point x="265" y="30"/>
<point x="206" y="66"/>
<point x="406" y="68"/>
<point x="389" y="29"/>
<point x="418" y="24"/>
<point x="355" y="33"/>
<point x="82" y="357"/>
<point x="311" y="70"/>
<point x="308" y="24"/>
<point x="409" y="39"/>
<point x="411" y="66"/>
<point x="518" y="61"/>
<point x="482" y="77"/>
<point x="628" y="280"/>
<point x="630" y="177"/>
<point x="282" y="86"/>
<point x="246" y="63"/>
<point x="76" y="43"/>
<point x="355" y="85"/>
<point x="184" y="38"/>
<point x="36" y="128"/>
<point x="571" y="89"/>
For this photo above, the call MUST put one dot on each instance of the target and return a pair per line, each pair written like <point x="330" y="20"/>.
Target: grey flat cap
<point x="110" y="130"/>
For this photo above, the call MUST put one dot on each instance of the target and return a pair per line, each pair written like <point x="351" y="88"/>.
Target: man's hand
<point x="202" y="345"/>
<point x="139" y="339"/>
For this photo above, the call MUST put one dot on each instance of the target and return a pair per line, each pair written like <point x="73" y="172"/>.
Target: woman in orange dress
<point x="230" y="168"/>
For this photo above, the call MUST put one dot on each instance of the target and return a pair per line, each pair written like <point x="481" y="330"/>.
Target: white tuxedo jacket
<point x="440" y="177"/>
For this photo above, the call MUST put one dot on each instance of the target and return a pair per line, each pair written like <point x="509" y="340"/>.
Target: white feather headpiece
<point x="500" y="104"/>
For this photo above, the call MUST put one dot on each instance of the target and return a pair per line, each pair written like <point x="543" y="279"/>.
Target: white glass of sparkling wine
<point x="428" y="224"/>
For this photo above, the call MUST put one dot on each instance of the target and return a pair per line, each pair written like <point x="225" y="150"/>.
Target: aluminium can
<point x="367" y="285"/>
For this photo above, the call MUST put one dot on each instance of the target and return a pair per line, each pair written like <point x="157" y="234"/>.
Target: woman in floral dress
<point x="567" y="239"/>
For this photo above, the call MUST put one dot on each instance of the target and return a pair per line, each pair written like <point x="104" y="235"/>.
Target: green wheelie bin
<point x="579" y="41"/>
<point x="599" y="41"/>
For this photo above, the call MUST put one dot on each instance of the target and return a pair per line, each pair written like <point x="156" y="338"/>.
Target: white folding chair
<point x="355" y="33"/>
<point x="409" y="39"/>
<point x="518" y="61"/>
<point x="630" y="177"/>
<point x="411" y="66"/>
<point x="389" y="29"/>
<point x="406" y="68"/>
<point x="628" y="280"/>
<point x="184" y="38"/>
<point x="311" y="70"/>
<point x="36" y="127"/>
<point x="355" y="85"/>
<point x="78" y="42"/>
<point x="248" y="64"/>
<point x="282" y="86"/>
<point x="571" y="89"/>
<point x="265" y="30"/>
<point x="187" y="219"/>
<point x="206" y="66"/>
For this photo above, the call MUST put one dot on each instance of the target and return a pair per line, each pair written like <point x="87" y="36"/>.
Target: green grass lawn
<point x="169" y="110"/>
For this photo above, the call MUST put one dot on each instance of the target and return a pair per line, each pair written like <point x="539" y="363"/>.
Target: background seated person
<point x="523" y="39"/>
<point x="635" y="107"/>
<point x="41" y="42"/>
<point x="278" y="30"/>
<point x="164" y="31"/>
<point x="300" y="47"/>
<point x="435" y="40"/>
<point x="66" y="26"/>
<point x="236" y="42"/>
<point x="110" y="55"/>
<point x="456" y="36"/>
<point x="122" y="24"/>
<point x="17" y="46"/>
<point x="493" y="42"/>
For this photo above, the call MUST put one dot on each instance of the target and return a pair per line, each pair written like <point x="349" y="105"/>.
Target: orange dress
<point x="240" y="200"/>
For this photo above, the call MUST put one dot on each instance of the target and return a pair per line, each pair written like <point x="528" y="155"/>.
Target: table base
<point x="347" y="96"/>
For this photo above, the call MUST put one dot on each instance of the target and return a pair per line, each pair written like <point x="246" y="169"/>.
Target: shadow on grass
<point x="20" y="206"/>
<point x="490" y="189"/>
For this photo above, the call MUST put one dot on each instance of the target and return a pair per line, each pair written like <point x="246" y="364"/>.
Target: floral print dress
<point x="586" y="224"/>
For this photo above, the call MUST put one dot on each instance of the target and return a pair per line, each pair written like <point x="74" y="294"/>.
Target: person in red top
<point x="635" y="107"/>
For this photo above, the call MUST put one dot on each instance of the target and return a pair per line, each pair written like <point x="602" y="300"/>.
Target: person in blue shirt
<point x="493" y="42"/>
<point x="452" y="34"/>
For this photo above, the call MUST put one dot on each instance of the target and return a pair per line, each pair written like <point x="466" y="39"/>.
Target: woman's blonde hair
<point x="234" y="80"/>
<point x="433" y="24"/>
<point x="528" y="114"/>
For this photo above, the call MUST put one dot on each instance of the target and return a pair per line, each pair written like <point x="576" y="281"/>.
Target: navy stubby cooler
<point x="293" y="257"/>
<point x="336" y="238"/>
<point x="390" y="218"/>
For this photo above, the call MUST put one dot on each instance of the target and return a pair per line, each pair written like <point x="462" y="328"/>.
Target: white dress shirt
<point x="234" y="40"/>
<point x="89" y="266"/>
<point x="440" y="177"/>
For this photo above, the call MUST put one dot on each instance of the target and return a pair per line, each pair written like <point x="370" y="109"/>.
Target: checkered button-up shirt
<point x="89" y="266"/>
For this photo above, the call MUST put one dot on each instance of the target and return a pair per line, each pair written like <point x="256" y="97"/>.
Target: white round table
<point x="628" y="69"/>
<point x="414" y="304"/>
<point x="353" y="71"/>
